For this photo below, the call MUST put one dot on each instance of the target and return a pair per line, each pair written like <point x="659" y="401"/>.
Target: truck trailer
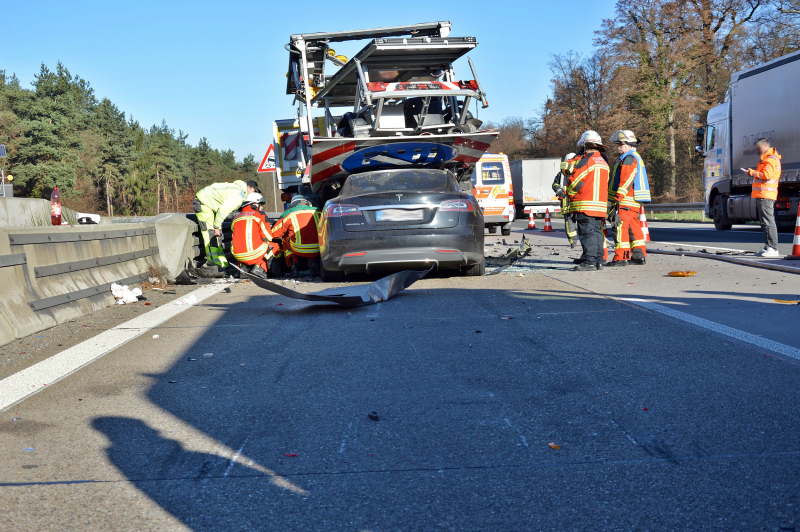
<point x="761" y="102"/>
<point x="533" y="185"/>
<point x="397" y="103"/>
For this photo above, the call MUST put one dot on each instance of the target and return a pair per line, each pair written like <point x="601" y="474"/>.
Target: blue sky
<point x="217" y="69"/>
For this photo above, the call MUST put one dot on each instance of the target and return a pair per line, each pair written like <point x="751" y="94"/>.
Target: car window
<point x="399" y="180"/>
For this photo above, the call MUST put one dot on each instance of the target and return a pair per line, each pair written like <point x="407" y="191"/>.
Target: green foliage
<point x="57" y="133"/>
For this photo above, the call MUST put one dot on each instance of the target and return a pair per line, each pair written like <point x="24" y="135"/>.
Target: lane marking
<point x="702" y="247"/>
<point x="29" y="381"/>
<point x="742" y="336"/>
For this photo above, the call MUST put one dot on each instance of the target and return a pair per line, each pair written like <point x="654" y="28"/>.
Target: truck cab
<point x="492" y="187"/>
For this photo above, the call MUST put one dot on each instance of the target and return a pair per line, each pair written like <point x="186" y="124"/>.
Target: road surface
<point x="535" y="398"/>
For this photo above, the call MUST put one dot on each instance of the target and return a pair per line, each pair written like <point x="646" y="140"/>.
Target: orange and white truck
<point x="492" y="187"/>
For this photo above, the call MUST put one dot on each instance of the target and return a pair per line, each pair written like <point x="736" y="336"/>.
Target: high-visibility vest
<point x="251" y="238"/>
<point x="222" y="199"/>
<point x="767" y="175"/>
<point x="629" y="184"/>
<point x="588" y="185"/>
<point x="298" y="228"/>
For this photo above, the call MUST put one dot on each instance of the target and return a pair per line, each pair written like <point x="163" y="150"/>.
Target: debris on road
<point x="374" y="416"/>
<point x="156" y="336"/>
<point x="208" y="355"/>
<point x="685" y="273"/>
<point x="291" y="455"/>
<point x="554" y="446"/>
<point x="124" y="294"/>
<point x="787" y="301"/>
<point x="349" y="296"/>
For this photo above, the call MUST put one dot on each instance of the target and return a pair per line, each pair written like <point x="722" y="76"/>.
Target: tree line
<point x="657" y="67"/>
<point x="58" y="133"/>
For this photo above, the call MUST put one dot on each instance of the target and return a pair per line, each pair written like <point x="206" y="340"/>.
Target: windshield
<point x="492" y="174"/>
<point x="399" y="181"/>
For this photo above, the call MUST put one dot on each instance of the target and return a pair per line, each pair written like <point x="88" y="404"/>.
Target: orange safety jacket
<point x="767" y="175"/>
<point x="620" y="190"/>
<point x="252" y="238"/>
<point x="298" y="229"/>
<point x="587" y="186"/>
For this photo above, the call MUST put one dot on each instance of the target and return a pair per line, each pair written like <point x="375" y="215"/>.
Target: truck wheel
<point x="476" y="270"/>
<point x="506" y="229"/>
<point x="721" y="220"/>
<point x="492" y="229"/>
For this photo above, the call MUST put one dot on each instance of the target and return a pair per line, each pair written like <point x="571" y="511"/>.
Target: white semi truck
<point x="761" y="102"/>
<point x="533" y="185"/>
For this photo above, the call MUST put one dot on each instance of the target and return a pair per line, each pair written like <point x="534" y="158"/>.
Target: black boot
<point x="641" y="261"/>
<point x="586" y="267"/>
<point x="617" y="263"/>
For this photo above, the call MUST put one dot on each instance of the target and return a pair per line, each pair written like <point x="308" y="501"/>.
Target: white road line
<point x="701" y="247"/>
<point x="758" y="341"/>
<point x="31" y="380"/>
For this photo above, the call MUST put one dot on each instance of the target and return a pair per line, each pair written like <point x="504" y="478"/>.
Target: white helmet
<point x="591" y="136"/>
<point x="253" y="197"/>
<point x="623" y="136"/>
<point x="570" y="155"/>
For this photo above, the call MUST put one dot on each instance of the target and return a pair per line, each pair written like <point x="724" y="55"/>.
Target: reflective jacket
<point x="223" y="199"/>
<point x="629" y="184"/>
<point x="766" y="175"/>
<point x="588" y="185"/>
<point x="298" y="230"/>
<point x="252" y="238"/>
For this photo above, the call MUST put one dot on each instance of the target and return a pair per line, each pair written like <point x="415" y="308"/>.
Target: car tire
<point x="476" y="270"/>
<point x="720" y="212"/>
<point x="331" y="276"/>
<point x="506" y="229"/>
<point x="492" y="229"/>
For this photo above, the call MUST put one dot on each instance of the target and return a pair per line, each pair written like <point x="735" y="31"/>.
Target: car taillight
<point x="335" y="211"/>
<point x="511" y="195"/>
<point x="457" y="205"/>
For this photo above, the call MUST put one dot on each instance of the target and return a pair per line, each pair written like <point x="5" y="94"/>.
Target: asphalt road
<point x="533" y="399"/>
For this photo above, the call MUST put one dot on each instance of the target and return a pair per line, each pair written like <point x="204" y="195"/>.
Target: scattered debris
<point x="208" y="355"/>
<point x="554" y="446"/>
<point x="123" y="294"/>
<point x="291" y="455"/>
<point x="645" y="409"/>
<point x="787" y="301"/>
<point x="374" y="416"/>
<point x="227" y="290"/>
<point x="506" y="317"/>
<point x="29" y="449"/>
<point x="156" y="336"/>
<point x="191" y="299"/>
<point x="191" y="359"/>
<point x="173" y="382"/>
<point x="684" y="273"/>
<point x="478" y="331"/>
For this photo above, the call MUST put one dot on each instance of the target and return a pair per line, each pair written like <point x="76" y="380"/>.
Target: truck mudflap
<point x="335" y="158"/>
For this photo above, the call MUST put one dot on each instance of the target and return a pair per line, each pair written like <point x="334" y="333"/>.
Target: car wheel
<point x="506" y="229"/>
<point x="476" y="270"/>
<point x="492" y="229"/>
<point x="721" y="220"/>
<point x="331" y="276"/>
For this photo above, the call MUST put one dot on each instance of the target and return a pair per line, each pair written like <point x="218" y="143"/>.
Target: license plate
<point x="399" y="215"/>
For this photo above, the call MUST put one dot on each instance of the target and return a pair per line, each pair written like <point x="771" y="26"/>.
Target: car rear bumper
<point x="487" y="220"/>
<point x="382" y="251"/>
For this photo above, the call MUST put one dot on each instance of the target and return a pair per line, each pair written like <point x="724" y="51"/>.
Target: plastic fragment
<point x="683" y="273"/>
<point x="147" y="303"/>
<point x="208" y="355"/>
<point x="156" y="336"/>
<point x="787" y="301"/>
<point x="506" y="317"/>
<point x="173" y="382"/>
<point x="645" y="409"/>
<point x="192" y="359"/>
<point x="554" y="446"/>
<point x="291" y="455"/>
<point x="374" y="416"/>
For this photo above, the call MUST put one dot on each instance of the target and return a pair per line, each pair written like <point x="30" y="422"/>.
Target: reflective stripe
<point x="628" y="202"/>
<point x="638" y="243"/>
<point x="252" y="254"/>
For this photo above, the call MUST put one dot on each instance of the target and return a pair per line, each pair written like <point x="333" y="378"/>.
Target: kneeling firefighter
<point x="628" y="189"/>
<point x="297" y="228"/>
<point x="251" y="242"/>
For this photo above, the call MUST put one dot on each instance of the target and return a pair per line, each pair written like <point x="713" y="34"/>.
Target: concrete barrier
<point x="49" y="275"/>
<point x="26" y="212"/>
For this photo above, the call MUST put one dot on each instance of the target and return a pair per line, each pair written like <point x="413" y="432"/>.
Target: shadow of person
<point x="197" y="488"/>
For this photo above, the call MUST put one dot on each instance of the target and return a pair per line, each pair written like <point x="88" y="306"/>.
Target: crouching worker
<point x="252" y="238"/>
<point x="297" y="228"/>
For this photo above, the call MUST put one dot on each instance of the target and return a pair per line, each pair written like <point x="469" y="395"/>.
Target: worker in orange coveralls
<point x="252" y="238"/>
<point x="297" y="228"/>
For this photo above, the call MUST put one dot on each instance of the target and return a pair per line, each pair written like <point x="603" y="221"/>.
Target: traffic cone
<point x="531" y="220"/>
<point x="643" y="222"/>
<point x="796" y="243"/>
<point x="547" y="225"/>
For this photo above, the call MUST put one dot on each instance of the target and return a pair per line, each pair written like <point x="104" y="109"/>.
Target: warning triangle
<point x="268" y="162"/>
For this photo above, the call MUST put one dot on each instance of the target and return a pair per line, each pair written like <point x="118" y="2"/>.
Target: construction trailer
<point x="761" y="102"/>
<point x="397" y="103"/>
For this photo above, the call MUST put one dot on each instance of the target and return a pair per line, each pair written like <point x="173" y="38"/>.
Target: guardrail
<point x="656" y="207"/>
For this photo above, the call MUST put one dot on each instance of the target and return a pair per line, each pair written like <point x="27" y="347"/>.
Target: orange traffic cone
<point x="643" y="222"/>
<point x="796" y="243"/>
<point x="547" y="225"/>
<point x="531" y="220"/>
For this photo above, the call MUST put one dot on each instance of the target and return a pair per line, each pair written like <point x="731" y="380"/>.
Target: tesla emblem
<point x="399" y="197"/>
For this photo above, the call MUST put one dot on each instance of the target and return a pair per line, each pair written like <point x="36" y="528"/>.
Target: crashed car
<point x="401" y="218"/>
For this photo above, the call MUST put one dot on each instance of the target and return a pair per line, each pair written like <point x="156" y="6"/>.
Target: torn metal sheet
<point x="349" y="296"/>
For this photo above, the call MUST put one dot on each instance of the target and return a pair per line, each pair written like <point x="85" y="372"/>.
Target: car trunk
<point x="400" y="210"/>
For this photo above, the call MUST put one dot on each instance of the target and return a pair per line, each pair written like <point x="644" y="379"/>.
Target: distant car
<point x="395" y="219"/>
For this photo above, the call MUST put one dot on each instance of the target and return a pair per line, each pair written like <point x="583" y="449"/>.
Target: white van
<point x="491" y="186"/>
